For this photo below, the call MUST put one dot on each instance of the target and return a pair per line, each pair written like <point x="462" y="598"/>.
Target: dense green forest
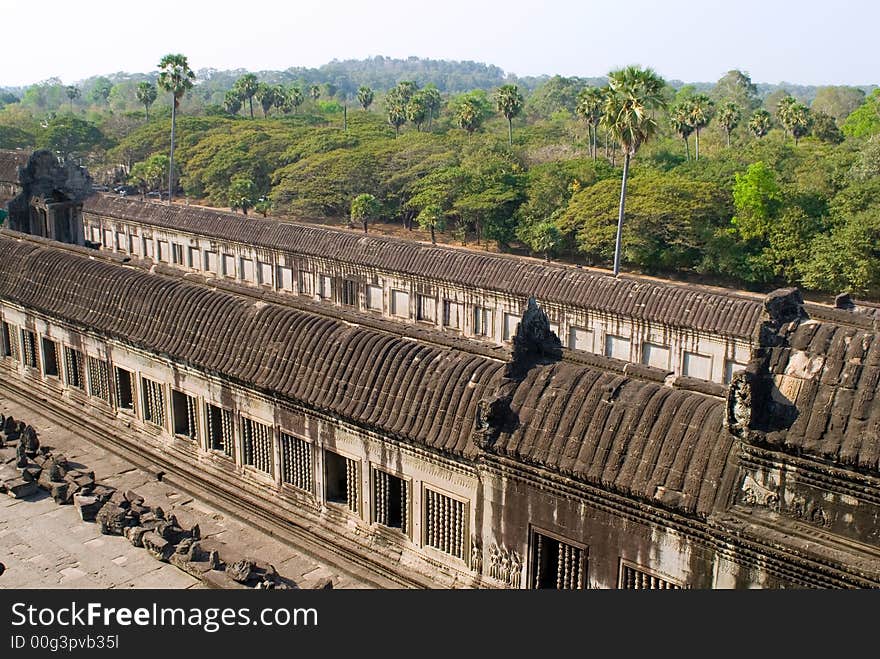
<point x="751" y="185"/>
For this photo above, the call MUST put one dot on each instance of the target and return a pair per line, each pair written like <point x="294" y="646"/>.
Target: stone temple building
<point x="449" y="418"/>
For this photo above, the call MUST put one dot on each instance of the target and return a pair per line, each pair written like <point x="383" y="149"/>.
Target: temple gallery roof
<point x="827" y="376"/>
<point x="633" y="437"/>
<point x="689" y="307"/>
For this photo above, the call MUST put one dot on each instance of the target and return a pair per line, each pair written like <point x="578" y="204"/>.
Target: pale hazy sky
<point x="806" y="41"/>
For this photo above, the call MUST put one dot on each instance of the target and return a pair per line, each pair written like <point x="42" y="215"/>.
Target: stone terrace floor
<point x="45" y="545"/>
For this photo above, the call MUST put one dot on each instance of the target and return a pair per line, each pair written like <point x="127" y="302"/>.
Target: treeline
<point x="756" y="191"/>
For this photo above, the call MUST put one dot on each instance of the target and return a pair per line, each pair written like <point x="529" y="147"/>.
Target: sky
<point x="805" y="42"/>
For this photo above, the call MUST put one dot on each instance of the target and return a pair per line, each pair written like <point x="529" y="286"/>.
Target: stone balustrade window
<point x="445" y="523"/>
<point x="556" y="564"/>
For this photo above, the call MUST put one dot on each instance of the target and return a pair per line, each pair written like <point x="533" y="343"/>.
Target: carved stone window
<point x="426" y="308"/>
<point x="228" y="265"/>
<point x="390" y="500"/>
<point x="177" y="253"/>
<point x="256" y="444"/>
<point x="185" y="414"/>
<point x="163" y="253"/>
<point x="304" y="282"/>
<point x="29" y="354"/>
<point x="265" y="271"/>
<point x="633" y="577"/>
<point x="656" y="355"/>
<point x="325" y="286"/>
<point x="617" y="347"/>
<point x="211" y="262"/>
<point x="482" y="321"/>
<point x="99" y="379"/>
<point x="341" y="480"/>
<point x="557" y="564"/>
<point x="697" y="366"/>
<point x="153" y="402"/>
<point x="399" y="303"/>
<point x="374" y="298"/>
<point x="125" y="390"/>
<point x="193" y="258"/>
<point x="511" y="322"/>
<point x="246" y="270"/>
<point x="452" y="314"/>
<point x="220" y="430"/>
<point x="10" y="341"/>
<point x="50" y="357"/>
<point x="296" y="462"/>
<point x="349" y="292"/>
<point x="445" y="523"/>
<point x="285" y="278"/>
<point x="580" y="338"/>
<point x="74" y="368"/>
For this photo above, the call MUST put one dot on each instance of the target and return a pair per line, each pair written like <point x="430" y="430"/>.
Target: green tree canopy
<point x="365" y="208"/>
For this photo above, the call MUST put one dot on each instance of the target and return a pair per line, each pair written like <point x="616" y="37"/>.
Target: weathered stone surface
<point x="87" y="506"/>
<point x="19" y="488"/>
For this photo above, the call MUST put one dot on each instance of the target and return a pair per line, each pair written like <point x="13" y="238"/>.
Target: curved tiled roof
<point x="830" y="373"/>
<point x="676" y="305"/>
<point x="10" y="161"/>
<point x="637" y="438"/>
<point x="640" y="438"/>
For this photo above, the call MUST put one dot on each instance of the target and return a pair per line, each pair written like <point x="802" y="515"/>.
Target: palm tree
<point x="417" y="110"/>
<point x="634" y="94"/>
<point x="783" y="112"/>
<point x="365" y="97"/>
<point x="509" y="102"/>
<point x="701" y="113"/>
<point x="434" y="101"/>
<point x="589" y="108"/>
<point x="175" y="77"/>
<point x="294" y="97"/>
<point x="266" y="95"/>
<point x="680" y="120"/>
<point x="315" y="92"/>
<point x="232" y="101"/>
<point x="247" y="87"/>
<point x="395" y="108"/>
<point x="798" y="121"/>
<point x="760" y="123"/>
<point x="146" y="95"/>
<point x="72" y="93"/>
<point x="729" y="115"/>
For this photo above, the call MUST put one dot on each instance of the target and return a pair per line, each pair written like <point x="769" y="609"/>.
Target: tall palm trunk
<point x="433" y="237"/>
<point x="510" y="132"/>
<point x="171" y="159"/>
<point x="251" y="102"/>
<point x="697" y="148"/>
<point x="728" y="138"/>
<point x="617" y="242"/>
<point x="687" y="149"/>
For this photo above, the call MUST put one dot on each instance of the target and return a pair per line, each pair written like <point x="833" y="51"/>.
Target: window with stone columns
<point x="557" y="565"/>
<point x="256" y="444"/>
<point x="349" y="292"/>
<point x="99" y="379"/>
<point x="154" y="402"/>
<point x="341" y="480"/>
<point x="10" y="341"/>
<point x="296" y="462"/>
<point x="29" y="348"/>
<point x="635" y="577"/>
<point x="220" y="430"/>
<point x="50" y="357"/>
<point x="125" y="390"/>
<point x="445" y="523"/>
<point x="74" y="368"/>
<point x="185" y="415"/>
<point x="390" y="500"/>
